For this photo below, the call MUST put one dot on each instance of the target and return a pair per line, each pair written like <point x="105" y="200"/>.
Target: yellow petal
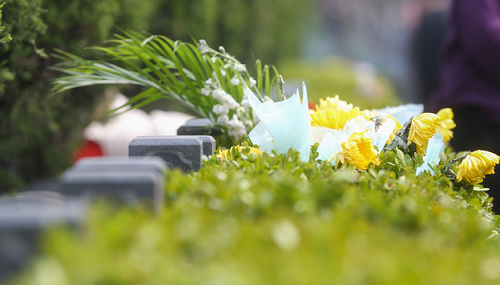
<point x="476" y="165"/>
<point x="333" y="103"/>
<point x="358" y="151"/>
<point x="333" y="118"/>
<point x="422" y="129"/>
<point x="446" y="123"/>
<point x="226" y="154"/>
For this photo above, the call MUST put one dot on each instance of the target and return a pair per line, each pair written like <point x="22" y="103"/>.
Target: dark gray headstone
<point x="134" y="163"/>
<point x="132" y="187"/>
<point x="23" y="217"/>
<point x="50" y="184"/>
<point x="199" y="126"/>
<point x="208" y="145"/>
<point x="182" y="152"/>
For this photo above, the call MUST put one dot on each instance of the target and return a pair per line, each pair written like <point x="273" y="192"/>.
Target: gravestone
<point x="132" y="187"/>
<point x="182" y="152"/>
<point x="208" y="145"/>
<point x="121" y="163"/>
<point x="24" y="216"/>
<point x="199" y="126"/>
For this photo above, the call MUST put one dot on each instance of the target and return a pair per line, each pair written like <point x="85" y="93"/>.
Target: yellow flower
<point x="422" y="129"/>
<point x="333" y="103"/>
<point x="333" y="118"/>
<point x="226" y="154"/>
<point x="476" y="165"/>
<point x="358" y="151"/>
<point x="367" y="114"/>
<point x="446" y="123"/>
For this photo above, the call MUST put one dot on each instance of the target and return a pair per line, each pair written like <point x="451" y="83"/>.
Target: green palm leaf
<point x="167" y="69"/>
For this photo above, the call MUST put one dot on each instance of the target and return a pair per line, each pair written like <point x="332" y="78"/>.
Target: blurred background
<point x="372" y="53"/>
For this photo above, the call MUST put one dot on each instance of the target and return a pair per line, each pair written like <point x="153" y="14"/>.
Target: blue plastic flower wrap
<point x="432" y="154"/>
<point x="403" y="113"/>
<point x="283" y="125"/>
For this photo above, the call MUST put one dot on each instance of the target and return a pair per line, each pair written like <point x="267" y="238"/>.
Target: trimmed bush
<point x="258" y="219"/>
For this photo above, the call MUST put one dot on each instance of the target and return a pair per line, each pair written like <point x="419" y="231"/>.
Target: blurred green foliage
<point x="269" y="30"/>
<point x="39" y="132"/>
<point x="3" y="37"/>
<point x="278" y="220"/>
<point x="356" y="83"/>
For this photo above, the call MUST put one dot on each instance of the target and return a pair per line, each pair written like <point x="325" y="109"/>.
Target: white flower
<point x="214" y="59"/>
<point x="252" y="82"/>
<point x="220" y="109"/>
<point x="209" y="81"/>
<point x="222" y="49"/>
<point x="227" y="66"/>
<point x="241" y="112"/>
<point x="223" y="120"/>
<point x="235" y="81"/>
<point x="222" y="71"/>
<point x="236" y="128"/>
<point x="245" y="103"/>
<point x="240" y="67"/>
<point x="206" y="90"/>
<point x="218" y="94"/>
<point x="228" y="102"/>
<point x="203" y="47"/>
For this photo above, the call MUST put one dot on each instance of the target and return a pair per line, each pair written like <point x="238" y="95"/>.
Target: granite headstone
<point x="182" y="152"/>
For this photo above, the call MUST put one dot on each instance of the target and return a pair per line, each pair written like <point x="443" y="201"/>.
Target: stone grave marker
<point x="24" y="216"/>
<point x="132" y="187"/>
<point x="208" y="145"/>
<point x="182" y="152"/>
<point x="199" y="126"/>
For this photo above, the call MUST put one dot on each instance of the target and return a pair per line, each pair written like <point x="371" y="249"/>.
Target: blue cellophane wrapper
<point x="403" y="113"/>
<point x="283" y="125"/>
<point x="432" y="154"/>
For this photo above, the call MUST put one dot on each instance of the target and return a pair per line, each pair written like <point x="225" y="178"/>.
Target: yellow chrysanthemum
<point x="446" y="123"/>
<point x="333" y="118"/>
<point x="358" y="151"/>
<point x="476" y="165"/>
<point x="333" y="103"/>
<point x="422" y="129"/>
<point x="367" y="114"/>
<point x="226" y="154"/>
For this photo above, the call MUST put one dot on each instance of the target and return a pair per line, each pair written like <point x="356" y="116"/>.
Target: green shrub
<point x="39" y="132"/>
<point x="7" y="37"/>
<point x="278" y="220"/>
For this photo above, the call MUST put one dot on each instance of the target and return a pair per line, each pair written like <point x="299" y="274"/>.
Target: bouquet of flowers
<point x="346" y="135"/>
<point x="215" y="85"/>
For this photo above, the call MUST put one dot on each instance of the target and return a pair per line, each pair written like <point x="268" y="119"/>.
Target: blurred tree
<point x="270" y="30"/>
<point x="39" y="132"/>
<point x="7" y="37"/>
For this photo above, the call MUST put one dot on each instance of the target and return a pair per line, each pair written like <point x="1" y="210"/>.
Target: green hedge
<point x="277" y="220"/>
